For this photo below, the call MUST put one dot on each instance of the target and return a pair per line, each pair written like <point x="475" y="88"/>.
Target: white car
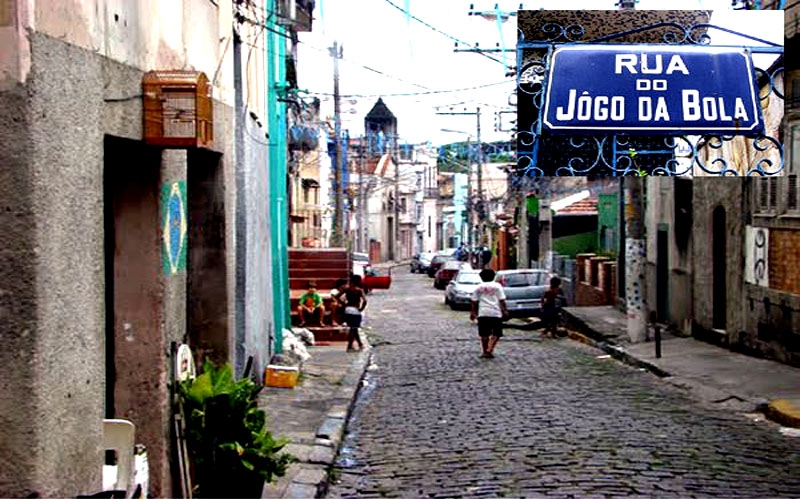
<point x="361" y="263"/>
<point x="459" y="291"/>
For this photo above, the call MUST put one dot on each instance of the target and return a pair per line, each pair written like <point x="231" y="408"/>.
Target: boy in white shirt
<point x="489" y="308"/>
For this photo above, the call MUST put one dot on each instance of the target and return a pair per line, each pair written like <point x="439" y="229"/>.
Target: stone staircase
<point x="323" y="266"/>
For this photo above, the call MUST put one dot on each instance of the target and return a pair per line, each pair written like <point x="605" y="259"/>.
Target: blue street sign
<point x="652" y="89"/>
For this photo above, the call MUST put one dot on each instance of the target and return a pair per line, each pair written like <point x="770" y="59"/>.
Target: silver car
<point x="459" y="291"/>
<point x="524" y="289"/>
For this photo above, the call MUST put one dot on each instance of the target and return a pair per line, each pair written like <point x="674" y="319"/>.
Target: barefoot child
<point x="489" y="308"/>
<point x="354" y="301"/>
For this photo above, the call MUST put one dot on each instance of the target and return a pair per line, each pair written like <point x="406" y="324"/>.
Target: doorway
<point x="719" y="285"/>
<point x="662" y="275"/>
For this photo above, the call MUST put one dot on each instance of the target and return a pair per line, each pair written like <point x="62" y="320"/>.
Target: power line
<point x="413" y="94"/>
<point x="442" y="32"/>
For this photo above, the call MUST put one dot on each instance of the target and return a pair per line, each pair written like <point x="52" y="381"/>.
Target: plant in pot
<point x="230" y="449"/>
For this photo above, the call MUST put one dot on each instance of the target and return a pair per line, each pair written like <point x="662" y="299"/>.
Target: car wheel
<point x="447" y="301"/>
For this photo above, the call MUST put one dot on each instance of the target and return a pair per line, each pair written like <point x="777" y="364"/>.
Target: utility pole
<point x="338" y="223"/>
<point x="395" y="156"/>
<point x="479" y="205"/>
<point x="634" y="258"/>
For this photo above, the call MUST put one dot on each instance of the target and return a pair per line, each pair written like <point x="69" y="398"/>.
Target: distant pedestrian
<point x="355" y="301"/>
<point x="311" y="310"/>
<point x="489" y="308"/>
<point x="486" y="257"/>
<point x="552" y="302"/>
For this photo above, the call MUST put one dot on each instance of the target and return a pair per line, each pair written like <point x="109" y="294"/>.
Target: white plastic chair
<point x="119" y="435"/>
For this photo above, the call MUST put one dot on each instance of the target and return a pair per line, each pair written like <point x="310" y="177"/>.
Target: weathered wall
<point x="18" y="302"/>
<point x="259" y="325"/>
<point x="709" y="193"/>
<point x="52" y="131"/>
<point x="66" y="96"/>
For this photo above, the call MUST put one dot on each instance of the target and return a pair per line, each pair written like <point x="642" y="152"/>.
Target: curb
<point x="781" y="411"/>
<point x="619" y="353"/>
<point x="312" y="480"/>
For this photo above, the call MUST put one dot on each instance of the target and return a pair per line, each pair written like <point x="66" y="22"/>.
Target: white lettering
<point x="722" y="115"/>
<point x="677" y="64"/>
<point x="649" y="64"/>
<point x="739" y="111"/>
<point x="560" y="114"/>
<point x="625" y="61"/>
<point x="617" y="108"/>
<point x="660" y="85"/>
<point x="585" y="106"/>
<point x="661" y="110"/>
<point x="601" y="108"/>
<point x="691" y="105"/>
<point x="645" y="109"/>
<point x="654" y="70"/>
<point x="709" y="108"/>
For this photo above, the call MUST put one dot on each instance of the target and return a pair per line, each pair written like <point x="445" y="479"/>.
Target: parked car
<point x="524" y="289"/>
<point x="421" y="261"/>
<point x="459" y="291"/>
<point x="446" y="273"/>
<point x="436" y="263"/>
<point x="361" y="264"/>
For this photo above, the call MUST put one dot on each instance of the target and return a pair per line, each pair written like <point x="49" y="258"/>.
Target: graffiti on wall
<point x="756" y="255"/>
<point x="173" y="227"/>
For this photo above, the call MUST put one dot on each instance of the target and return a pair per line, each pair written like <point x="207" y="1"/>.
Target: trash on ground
<point x="603" y="356"/>
<point x="790" y="431"/>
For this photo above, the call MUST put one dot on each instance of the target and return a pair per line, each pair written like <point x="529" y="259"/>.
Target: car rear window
<point x="469" y="278"/>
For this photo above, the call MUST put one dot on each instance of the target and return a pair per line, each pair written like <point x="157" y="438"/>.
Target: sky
<point x="415" y="69"/>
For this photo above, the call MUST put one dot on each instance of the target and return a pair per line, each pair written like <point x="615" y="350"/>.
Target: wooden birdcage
<point x="178" y="112"/>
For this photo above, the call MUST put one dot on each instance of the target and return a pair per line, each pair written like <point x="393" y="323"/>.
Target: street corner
<point x="785" y="412"/>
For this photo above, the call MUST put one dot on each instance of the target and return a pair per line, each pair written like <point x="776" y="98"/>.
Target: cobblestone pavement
<point x="544" y="418"/>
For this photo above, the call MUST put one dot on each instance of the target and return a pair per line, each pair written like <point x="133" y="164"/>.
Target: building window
<point x="305" y="195"/>
<point x="792" y="200"/>
<point x="767" y="192"/>
<point x="429" y="226"/>
<point x="794" y="145"/>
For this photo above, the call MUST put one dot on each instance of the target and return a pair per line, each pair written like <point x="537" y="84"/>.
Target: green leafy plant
<point x="231" y="451"/>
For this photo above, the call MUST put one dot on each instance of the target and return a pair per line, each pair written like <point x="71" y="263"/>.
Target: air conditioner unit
<point x="178" y="111"/>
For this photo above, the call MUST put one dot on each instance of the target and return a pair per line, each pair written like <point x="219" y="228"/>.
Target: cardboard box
<point x="281" y="376"/>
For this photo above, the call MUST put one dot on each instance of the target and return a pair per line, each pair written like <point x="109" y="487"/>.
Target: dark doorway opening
<point x="662" y="276"/>
<point x="719" y="285"/>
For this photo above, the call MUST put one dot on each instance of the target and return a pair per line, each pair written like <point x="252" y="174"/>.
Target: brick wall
<point x="784" y="254"/>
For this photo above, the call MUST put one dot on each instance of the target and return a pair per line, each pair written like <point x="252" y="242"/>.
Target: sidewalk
<point x="313" y="415"/>
<point x="714" y="373"/>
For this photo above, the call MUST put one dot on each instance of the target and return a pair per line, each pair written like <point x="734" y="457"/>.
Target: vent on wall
<point x="178" y="112"/>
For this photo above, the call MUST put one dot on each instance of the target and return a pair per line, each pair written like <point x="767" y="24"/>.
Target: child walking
<point x="552" y="301"/>
<point x="354" y="301"/>
<point x="489" y="308"/>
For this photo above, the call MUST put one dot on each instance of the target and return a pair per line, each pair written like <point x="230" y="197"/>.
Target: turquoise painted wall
<point x="278" y="200"/>
<point x="608" y="222"/>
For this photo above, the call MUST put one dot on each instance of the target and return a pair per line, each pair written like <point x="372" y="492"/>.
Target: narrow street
<point x="544" y="418"/>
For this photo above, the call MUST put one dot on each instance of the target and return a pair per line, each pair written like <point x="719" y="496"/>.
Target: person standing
<point x="355" y="301"/>
<point x="489" y="308"/>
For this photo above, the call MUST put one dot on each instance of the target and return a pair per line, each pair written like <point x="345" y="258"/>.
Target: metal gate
<point x="542" y="152"/>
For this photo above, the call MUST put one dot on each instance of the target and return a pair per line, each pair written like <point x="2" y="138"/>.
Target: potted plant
<point x="230" y="449"/>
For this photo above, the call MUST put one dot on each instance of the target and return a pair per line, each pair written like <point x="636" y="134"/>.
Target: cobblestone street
<point x="544" y="418"/>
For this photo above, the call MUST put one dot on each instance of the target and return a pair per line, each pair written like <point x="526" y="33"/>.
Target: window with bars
<point x="767" y="192"/>
<point x="792" y="199"/>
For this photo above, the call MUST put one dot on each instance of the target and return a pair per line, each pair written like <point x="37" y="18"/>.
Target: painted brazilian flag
<point x="174" y="225"/>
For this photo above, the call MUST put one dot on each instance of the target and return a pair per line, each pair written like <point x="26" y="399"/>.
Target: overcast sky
<point x="386" y="53"/>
